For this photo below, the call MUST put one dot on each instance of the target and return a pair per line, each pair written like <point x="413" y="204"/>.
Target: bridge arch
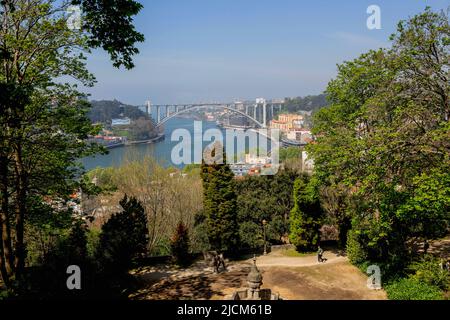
<point x="163" y="121"/>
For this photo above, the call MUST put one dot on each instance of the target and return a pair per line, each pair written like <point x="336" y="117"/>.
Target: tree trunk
<point x="21" y="206"/>
<point x="6" y="263"/>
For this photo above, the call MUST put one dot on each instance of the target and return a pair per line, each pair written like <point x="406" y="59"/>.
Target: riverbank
<point x="160" y="147"/>
<point x="159" y="138"/>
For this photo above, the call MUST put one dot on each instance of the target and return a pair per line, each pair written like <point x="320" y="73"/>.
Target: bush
<point x="412" y="289"/>
<point x="429" y="271"/>
<point x="251" y="235"/>
<point x="179" y="245"/>
<point x="93" y="239"/>
<point x="357" y="254"/>
<point x="199" y="236"/>
<point x="4" y="294"/>
<point x="123" y="238"/>
<point x="199" y="239"/>
<point x="76" y="246"/>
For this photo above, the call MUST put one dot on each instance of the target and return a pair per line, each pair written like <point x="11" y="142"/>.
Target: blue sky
<point x="220" y="50"/>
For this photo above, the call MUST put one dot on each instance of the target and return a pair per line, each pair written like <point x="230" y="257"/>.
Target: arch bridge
<point x="259" y="113"/>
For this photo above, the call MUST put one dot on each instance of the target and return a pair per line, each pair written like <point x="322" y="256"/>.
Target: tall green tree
<point x="219" y="204"/>
<point x="305" y="219"/>
<point x="43" y="121"/>
<point x="384" y="137"/>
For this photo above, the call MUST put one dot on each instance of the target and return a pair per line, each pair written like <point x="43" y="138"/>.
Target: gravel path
<point x="277" y="259"/>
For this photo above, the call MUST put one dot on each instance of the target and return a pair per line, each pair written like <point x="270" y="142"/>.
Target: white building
<point x="304" y="136"/>
<point x="255" y="160"/>
<point x="121" y="122"/>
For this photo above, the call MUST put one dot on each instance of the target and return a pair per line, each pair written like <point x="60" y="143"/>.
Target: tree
<point x="334" y="201"/>
<point x="305" y="219"/>
<point x="264" y="198"/>
<point x="384" y="138"/>
<point x="109" y="25"/>
<point x="142" y="129"/>
<point x="77" y="244"/>
<point x="180" y="245"/>
<point x="43" y="121"/>
<point x="219" y="204"/>
<point x="166" y="195"/>
<point x="124" y="237"/>
<point x="309" y="103"/>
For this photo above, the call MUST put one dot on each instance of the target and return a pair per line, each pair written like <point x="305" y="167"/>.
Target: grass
<point x="295" y="253"/>
<point x="121" y="133"/>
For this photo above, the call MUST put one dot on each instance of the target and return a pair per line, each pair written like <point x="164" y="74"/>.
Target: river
<point x="161" y="151"/>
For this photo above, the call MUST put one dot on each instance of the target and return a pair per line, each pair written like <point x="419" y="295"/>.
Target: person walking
<point x="320" y="255"/>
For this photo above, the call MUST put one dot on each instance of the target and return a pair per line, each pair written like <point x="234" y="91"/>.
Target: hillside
<point x="308" y="103"/>
<point x="105" y="110"/>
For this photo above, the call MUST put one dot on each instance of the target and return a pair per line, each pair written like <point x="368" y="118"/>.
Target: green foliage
<point x="110" y="27"/>
<point x="357" y="253"/>
<point x="412" y="289"/>
<point x="4" y="294"/>
<point x="77" y="244"/>
<point x="290" y="153"/>
<point x="220" y="206"/>
<point x="305" y="218"/>
<point x="43" y="121"/>
<point x="180" y="245"/>
<point x="44" y="230"/>
<point x="309" y="103"/>
<point x="103" y="178"/>
<point x="104" y="111"/>
<point x="251" y="235"/>
<point x="264" y="198"/>
<point x="199" y="238"/>
<point x="427" y="208"/>
<point x="429" y="271"/>
<point x="93" y="240"/>
<point x="378" y="241"/>
<point x="384" y="138"/>
<point x="123" y="238"/>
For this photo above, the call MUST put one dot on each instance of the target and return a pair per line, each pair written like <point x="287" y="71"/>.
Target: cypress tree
<point x="305" y="216"/>
<point x="220" y="204"/>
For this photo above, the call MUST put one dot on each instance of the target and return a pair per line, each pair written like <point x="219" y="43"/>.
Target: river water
<point x="161" y="151"/>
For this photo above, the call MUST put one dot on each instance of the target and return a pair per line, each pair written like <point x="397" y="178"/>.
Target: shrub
<point x="4" y="294"/>
<point x="199" y="239"/>
<point x="251" y="235"/>
<point x="76" y="247"/>
<point x="180" y="245"/>
<point x="412" y="289"/>
<point x="123" y="238"/>
<point x="357" y="254"/>
<point x="93" y="239"/>
<point x="429" y="271"/>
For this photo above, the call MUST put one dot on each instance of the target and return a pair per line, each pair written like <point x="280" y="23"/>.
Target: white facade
<point x="121" y="122"/>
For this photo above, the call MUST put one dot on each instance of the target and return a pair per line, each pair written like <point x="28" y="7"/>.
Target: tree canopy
<point x="385" y="137"/>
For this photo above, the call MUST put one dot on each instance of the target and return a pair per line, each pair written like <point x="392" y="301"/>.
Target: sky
<point x="223" y="50"/>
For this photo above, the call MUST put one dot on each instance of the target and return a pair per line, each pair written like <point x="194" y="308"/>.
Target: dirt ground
<point x="294" y="278"/>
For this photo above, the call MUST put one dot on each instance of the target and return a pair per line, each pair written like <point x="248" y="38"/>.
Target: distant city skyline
<point x="224" y="50"/>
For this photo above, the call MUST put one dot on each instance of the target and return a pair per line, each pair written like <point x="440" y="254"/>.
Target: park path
<point x="277" y="259"/>
<point x="295" y="278"/>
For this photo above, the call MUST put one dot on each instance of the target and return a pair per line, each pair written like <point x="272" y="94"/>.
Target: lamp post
<point x="264" y="222"/>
